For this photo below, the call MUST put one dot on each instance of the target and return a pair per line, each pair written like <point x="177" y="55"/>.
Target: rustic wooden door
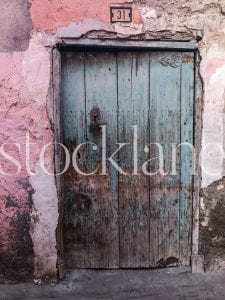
<point x="131" y="216"/>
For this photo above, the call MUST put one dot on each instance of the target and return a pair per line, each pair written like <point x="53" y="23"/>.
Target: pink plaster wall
<point x="15" y="115"/>
<point x="49" y="15"/>
<point x="19" y="115"/>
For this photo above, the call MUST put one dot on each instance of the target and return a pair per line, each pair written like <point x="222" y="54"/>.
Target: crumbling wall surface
<point x="212" y="225"/>
<point x="29" y="30"/>
<point x="165" y="19"/>
<point x="185" y="19"/>
<point x="25" y="129"/>
<point x="15" y="24"/>
<point x="16" y="249"/>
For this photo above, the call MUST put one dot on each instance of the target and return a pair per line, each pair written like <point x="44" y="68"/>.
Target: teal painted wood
<point x="133" y="104"/>
<point x="101" y="97"/>
<point x="128" y="45"/>
<point x="129" y="221"/>
<point x="73" y="94"/>
<point x="187" y="159"/>
<point x="164" y="129"/>
<point x="74" y="133"/>
<point x="92" y="227"/>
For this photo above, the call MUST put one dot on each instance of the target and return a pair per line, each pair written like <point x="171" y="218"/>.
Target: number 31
<point x="121" y="14"/>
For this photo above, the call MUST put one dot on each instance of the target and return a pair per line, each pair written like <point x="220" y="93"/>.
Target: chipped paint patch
<point x="213" y="124"/>
<point x="127" y="30"/>
<point x="77" y="29"/>
<point x="36" y="69"/>
<point x="44" y="220"/>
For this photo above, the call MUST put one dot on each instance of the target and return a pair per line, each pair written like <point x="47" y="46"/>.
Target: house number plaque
<point x="121" y="14"/>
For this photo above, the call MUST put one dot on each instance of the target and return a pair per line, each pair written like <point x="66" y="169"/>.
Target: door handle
<point x="95" y="126"/>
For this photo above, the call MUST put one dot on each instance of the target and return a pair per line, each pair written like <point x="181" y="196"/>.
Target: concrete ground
<point x="174" y="284"/>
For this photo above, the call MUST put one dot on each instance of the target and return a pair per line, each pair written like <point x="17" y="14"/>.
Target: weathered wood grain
<point x="187" y="155"/>
<point x="101" y="95"/>
<point x="129" y="45"/>
<point x="57" y="121"/>
<point x="164" y="189"/>
<point x="128" y="220"/>
<point x="133" y="103"/>
<point x="74" y="128"/>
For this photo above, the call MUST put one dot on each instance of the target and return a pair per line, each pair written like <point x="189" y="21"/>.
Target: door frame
<point x="55" y="96"/>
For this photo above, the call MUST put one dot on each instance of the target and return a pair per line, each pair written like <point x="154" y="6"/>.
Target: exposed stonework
<point x="212" y="225"/>
<point x="183" y="16"/>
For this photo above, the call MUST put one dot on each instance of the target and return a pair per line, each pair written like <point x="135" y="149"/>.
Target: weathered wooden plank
<point x="165" y="129"/>
<point x="187" y="158"/>
<point x="101" y="106"/>
<point x="73" y="96"/>
<point x="57" y="121"/>
<point x="74" y="129"/>
<point x="197" y="141"/>
<point x="129" y="45"/>
<point x="100" y="89"/>
<point x="133" y="103"/>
